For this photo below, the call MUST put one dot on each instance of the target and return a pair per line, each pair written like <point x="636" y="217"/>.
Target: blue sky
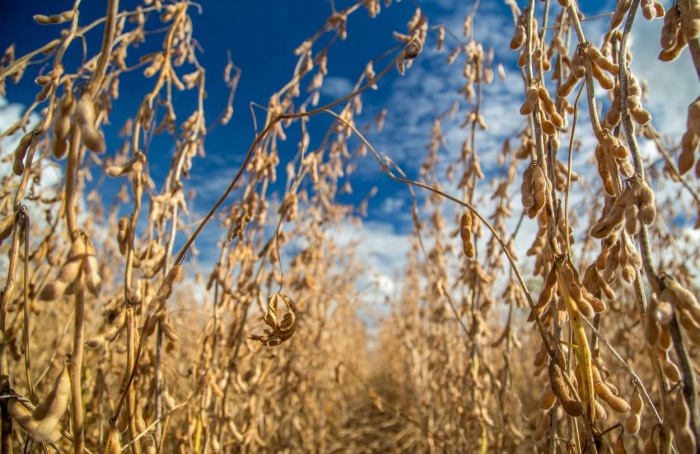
<point x="261" y="41"/>
<point x="261" y="37"/>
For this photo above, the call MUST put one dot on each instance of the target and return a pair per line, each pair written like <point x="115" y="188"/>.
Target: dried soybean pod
<point x="685" y="440"/>
<point x="528" y="198"/>
<point x="549" y="286"/>
<point x="616" y="403"/>
<point x="166" y="289"/>
<point x="52" y="290"/>
<point x="578" y="68"/>
<point x="85" y="119"/>
<point x="631" y="219"/>
<point x="645" y="202"/>
<point x="670" y="369"/>
<point x="540" y="357"/>
<point x="656" y="9"/>
<point x="612" y="223"/>
<point x="547" y="400"/>
<point x="669" y="31"/>
<point x="54" y="19"/>
<point x="465" y="231"/>
<point x="620" y="445"/>
<point x="641" y="115"/>
<point x="122" y="234"/>
<point x="20" y="152"/>
<point x="548" y="127"/>
<point x="6" y="225"/>
<point x="93" y="280"/>
<point x="69" y="271"/>
<point x="650" y="446"/>
<point x="546" y="294"/>
<point x="686" y="159"/>
<point x="675" y="50"/>
<point x="604" y="171"/>
<point x="603" y="79"/>
<point x="596" y="303"/>
<point x="693" y="120"/>
<point x="679" y="422"/>
<point x="636" y="403"/>
<point x="600" y="412"/>
<point x="539" y="189"/>
<point x="583" y="305"/>
<point x="681" y="297"/>
<point x="48" y="413"/>
<point x="568" y="86"/>
<point x="622" y="7"/>
<point x="22" y="415"/>
<point x="167" y="329"/>
<point x="62" y="124"/>
<point x="113" y="445"/>
<point x="520" y="33"/>
<point x="547" y="102"/>
<point x="633" y="424"/>
<point x="78" y="249"/>
<point x="595" y="56"/>
<point x="556" y="376"/>
<point x="110" y="333"/>
<point x="604" y="392"/>
<point x="531" y="98"/>
<point x="690" y="12"/>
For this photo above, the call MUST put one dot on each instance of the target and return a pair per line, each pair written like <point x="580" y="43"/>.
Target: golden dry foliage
<point x="111" y="340"/>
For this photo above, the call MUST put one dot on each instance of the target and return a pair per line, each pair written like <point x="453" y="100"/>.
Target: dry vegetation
<point x="589" y="344"/>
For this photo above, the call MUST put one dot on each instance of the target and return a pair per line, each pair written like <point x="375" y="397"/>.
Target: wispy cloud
<point x="336" y="87"/>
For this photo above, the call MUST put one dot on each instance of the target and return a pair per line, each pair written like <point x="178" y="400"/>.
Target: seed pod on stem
<point x="110" y="333"/>
<point x="600" y="412"/>
<point x="539" y="190"/>
<point x="652" y="9"/>
<point x="596" y="57"/>
<point x="556" y="377"/>
<point x="622" y="7"/>
<point x="135" y="163"/>
<point x="690" y="13"/>
<point x="681" y="298"/>
<point x="678" y="420"/>
<point x="165" y="289"/>
<point x="20" y="152"/>
<point x="54" y="19"/>
<point x="616" y="403"/>
<point x="633" y="424"/>
<point x="113" y="445"/>
<point x="465" y="231"/>
<point x="673" y="37"/>
<point x="49" y="412"/>
<point x="686" y="159"/>
<point x="85" y="119"/>
<point x="62" y="123"/>
<point x="123" y="234"/>
<point x="604" y="171"/>
<point x="602" y="77"/>
<point x="650" y="446"/>
<point x="546" y="294"/>
<point x="547" y="400"/>
<point x="531" y="98"/>
<point x="520" y="33"/>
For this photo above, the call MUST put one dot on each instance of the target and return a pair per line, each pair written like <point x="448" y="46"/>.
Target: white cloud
<point x="336" y="87"/>
<point x="672" y="85"/>
<point x="392" y="206"/>
<point x="383" y="251"/>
